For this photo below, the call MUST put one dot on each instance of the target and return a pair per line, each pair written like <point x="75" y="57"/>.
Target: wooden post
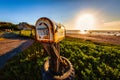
<point x="53" y="51"/>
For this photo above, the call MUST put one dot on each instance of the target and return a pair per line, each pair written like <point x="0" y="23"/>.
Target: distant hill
<point x="9" y="25"/>
<point x="6" y="24"/>
<point x="25" y="26"/>
<point x="3" y="23"/>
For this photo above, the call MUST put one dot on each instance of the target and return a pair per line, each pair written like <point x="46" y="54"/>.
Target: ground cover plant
<point x="91" y="61"/>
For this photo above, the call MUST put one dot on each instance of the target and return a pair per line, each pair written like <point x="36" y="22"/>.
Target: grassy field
<point x="27" y="33"/>
<point x="91" y="61"/>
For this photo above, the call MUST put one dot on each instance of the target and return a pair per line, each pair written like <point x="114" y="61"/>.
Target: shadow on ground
<point x="25" y="43"/>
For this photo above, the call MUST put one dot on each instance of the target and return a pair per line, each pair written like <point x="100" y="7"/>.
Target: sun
<point x="85" y="22"/>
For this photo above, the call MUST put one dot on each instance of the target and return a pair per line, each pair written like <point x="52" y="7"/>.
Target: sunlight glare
<point x="85" y="22"/>
<point x="83" y="32"/>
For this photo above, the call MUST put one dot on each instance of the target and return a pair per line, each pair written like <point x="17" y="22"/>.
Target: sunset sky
<point x="73" y="14"/>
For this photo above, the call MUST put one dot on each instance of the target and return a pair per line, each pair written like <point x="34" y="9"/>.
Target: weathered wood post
<point x="50" y="34"/>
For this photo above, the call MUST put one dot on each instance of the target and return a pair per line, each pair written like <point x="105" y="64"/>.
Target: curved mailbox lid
<point x="44" y="30"/>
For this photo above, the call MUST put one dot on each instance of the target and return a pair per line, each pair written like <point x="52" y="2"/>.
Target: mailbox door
<point x="44" y="30"/>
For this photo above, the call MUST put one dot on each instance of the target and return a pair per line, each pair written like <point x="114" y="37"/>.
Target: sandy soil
<point x="98" y="38"/>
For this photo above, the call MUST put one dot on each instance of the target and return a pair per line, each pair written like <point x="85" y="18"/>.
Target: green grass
<point x="27" y="33"/>
<point x="91" y="61"/>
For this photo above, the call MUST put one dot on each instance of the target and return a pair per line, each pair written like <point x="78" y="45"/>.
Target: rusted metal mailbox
<point x="49" y="31"/>
<point x="50" y="34"/>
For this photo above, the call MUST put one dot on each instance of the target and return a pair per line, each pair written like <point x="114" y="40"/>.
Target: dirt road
<point x="7" y="45"/>
<point x="98" y="38"/>
<point x="10" y="41"/>
<point x="12" y="45"/>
